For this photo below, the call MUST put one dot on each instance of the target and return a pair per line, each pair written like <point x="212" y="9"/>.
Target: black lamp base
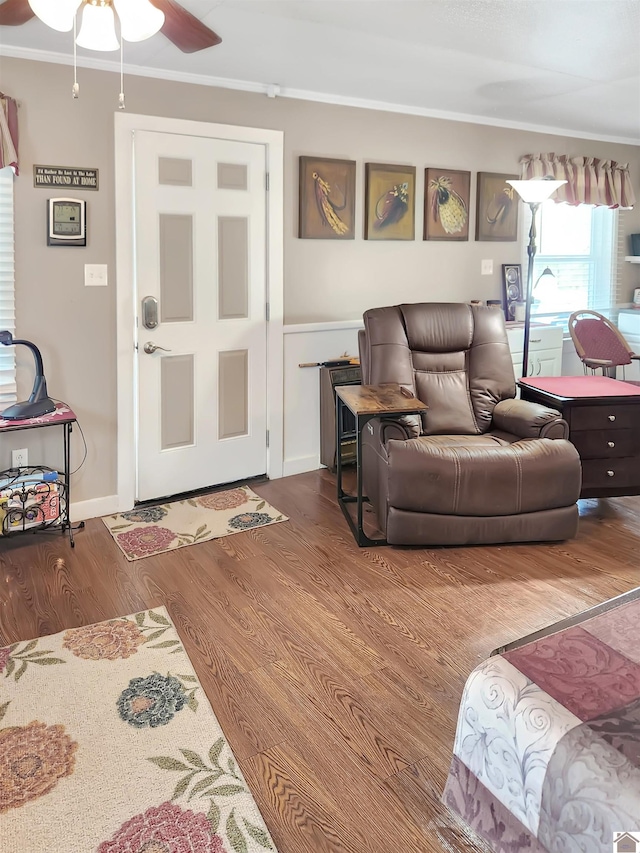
<point x="27" y="409"/>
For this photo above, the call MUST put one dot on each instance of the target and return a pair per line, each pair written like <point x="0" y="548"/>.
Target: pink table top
<point x="62" y="414"/>
<point x="572" y="387"/>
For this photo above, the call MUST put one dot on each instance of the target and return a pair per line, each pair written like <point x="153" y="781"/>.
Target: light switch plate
<point x="95" y="275"/>
<point x="486" y="267"/>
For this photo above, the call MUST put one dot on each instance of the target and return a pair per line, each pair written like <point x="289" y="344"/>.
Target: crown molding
<point x="271" y="90"/>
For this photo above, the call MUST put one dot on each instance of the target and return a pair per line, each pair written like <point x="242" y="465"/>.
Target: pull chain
<point x="75" y="91"/>
<point x="121" y="103"/>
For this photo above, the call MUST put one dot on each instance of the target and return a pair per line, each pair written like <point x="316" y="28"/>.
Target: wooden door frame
<point x="125" y="127"/>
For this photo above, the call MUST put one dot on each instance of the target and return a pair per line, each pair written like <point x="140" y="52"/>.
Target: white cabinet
<point x="545" y="363"/>
<point x="629" y="325"/>
<point x="545" y="349"/>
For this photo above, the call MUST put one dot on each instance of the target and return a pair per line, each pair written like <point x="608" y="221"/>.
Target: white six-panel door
<point x="200" y="265"/>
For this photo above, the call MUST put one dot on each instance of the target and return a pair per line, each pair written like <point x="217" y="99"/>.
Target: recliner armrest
<point x="381" y="430"/>
<point x="529" y="420"/>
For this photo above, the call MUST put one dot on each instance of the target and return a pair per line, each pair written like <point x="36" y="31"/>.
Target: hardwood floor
<point x="335" y="672"/>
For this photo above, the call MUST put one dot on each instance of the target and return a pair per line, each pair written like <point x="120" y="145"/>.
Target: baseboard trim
<point x="301" y="465"/>
<point x="94" y="508"/>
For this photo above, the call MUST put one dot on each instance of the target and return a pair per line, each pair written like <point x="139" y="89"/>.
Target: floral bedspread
<point x="547" y="749"/>
<point x="109" y="745"/>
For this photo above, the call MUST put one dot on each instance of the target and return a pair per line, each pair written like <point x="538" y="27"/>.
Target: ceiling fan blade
<point x="184" y="29"/>
<point x="15" y="12"/>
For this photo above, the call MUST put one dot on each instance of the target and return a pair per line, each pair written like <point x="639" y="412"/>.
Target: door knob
<point x="150" y="348"/>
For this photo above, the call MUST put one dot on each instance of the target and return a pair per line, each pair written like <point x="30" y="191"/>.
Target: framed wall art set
<point x="327" y="192"/>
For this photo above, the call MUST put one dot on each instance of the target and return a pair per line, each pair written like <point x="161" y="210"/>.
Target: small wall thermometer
<point x="66" y="222"/>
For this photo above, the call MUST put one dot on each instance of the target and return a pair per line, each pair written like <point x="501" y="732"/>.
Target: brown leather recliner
<point x="479" y="466"/>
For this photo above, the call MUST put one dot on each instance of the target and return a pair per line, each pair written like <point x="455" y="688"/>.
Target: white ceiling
<point x="568" y="65"/>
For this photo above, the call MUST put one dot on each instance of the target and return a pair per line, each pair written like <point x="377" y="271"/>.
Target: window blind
<point x="580" y="245"/>
<point x="618" y="265"/>
<point x="7" y="287"/>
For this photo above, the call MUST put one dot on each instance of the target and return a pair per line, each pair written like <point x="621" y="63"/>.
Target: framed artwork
<point x="512" y="286"/>
<point x="446" y="204"/>
<point x="496" y="208"/>
<point x="327" y="198"/>
<point x="390" y="202"/>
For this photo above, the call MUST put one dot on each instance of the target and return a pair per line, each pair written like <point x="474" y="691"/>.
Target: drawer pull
<point x="611" y="444"/>
<point x="610" y="473"/>
<point x="612" y="417"/>
<point x="534" y="340"/>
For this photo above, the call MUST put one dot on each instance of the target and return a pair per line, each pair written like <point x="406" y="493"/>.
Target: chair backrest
<point x="595" y="337"/>
<point x="453" y="356"/>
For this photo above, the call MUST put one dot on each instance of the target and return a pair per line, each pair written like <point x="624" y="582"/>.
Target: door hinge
<point x="267" y="438"/>
<point x="267" y="311"/>
<point x="266" y="181"/>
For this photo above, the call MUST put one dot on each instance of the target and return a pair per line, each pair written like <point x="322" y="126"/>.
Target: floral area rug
<point x="145" y="531"/>
<point x="109" y="745"/>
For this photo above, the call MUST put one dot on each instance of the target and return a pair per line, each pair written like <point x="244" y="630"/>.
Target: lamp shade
<point x="98" y="31"/>
<point x="535" y="190"/>
<point x="545" y="271"/>
<point x="58" y="15"/>
<point x="139" y="20"/>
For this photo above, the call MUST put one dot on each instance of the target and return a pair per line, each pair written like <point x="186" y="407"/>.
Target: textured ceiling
<point x="571" y="65"/>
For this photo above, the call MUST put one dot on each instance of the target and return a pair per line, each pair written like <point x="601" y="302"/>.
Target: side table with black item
<point x="366" y="402"/>
<point x="604" y="426"/>
<point x="330" y="378"/>
<point x="38" y="497"/>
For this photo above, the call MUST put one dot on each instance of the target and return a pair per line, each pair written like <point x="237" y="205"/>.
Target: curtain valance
<point x="589" y="180"/>
<point x="8" y="132"/>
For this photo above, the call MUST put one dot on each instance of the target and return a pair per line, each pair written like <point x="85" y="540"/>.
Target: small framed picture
<point x="446" y="204"/>
<point x="496" y="208"/>
<point x="390" y="202"/>
<point x="512" y="289"/>
<point x="327" y="199"/>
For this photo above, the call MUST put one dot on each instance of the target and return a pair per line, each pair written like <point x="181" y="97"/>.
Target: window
<point x="7" y="301"/>
<point x="579" y="246"/>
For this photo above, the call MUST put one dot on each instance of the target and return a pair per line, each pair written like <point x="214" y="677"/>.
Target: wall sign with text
<point x="65" y="176"/>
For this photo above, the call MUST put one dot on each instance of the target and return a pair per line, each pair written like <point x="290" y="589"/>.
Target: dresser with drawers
<point x="604" y="425"/>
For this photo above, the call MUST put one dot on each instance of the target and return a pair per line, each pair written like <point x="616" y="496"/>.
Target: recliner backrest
<point x="453" y="356"/>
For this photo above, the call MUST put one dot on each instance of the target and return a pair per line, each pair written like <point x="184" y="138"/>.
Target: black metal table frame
<point x="65" y="520"/>
<point x="344" y="498"/>
<point x="570" y="621"/>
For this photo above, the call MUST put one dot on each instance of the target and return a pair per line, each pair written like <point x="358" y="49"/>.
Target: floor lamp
<point x="533" y="192"/>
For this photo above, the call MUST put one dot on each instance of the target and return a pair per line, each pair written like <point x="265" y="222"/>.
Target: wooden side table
<point x="330" y="378"/>
<point x="604" y="425"/>
<point x="366" y="402"/>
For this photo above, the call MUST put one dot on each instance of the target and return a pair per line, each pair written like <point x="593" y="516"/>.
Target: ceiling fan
<point x="139" y="19"/>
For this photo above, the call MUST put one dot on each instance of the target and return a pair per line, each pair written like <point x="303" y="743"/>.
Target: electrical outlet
<point x="19" y="458"/>
<point x="486" y="267"/>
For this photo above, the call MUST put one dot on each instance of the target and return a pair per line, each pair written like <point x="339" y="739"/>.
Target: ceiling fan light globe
<point x="98" y="30"/>
<point x="57" y="14"/>
<point x="139" y="20"/>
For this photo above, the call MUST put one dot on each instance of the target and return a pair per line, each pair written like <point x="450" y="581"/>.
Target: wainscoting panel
<point x="309" y="342"/>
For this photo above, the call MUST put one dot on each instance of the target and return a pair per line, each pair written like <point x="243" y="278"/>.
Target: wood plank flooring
<point x="336" y="672"/>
